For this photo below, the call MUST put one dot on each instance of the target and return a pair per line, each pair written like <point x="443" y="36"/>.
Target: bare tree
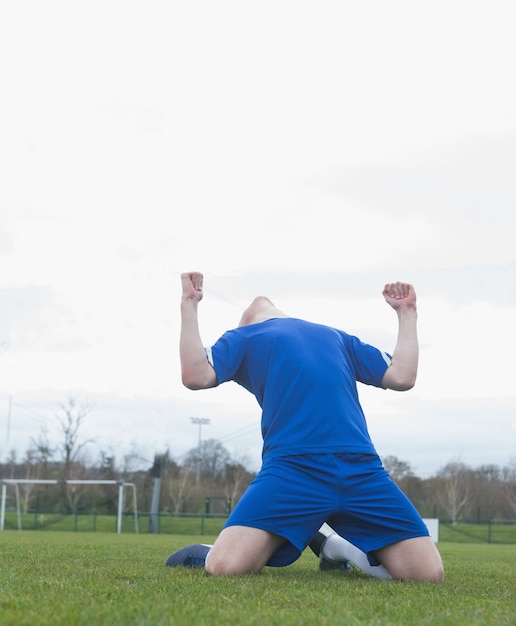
<point x="396" y="468"/>
<point x="31" y="472"/>
<point x="179" y="485"/>
<point x="454" y="489"/>
<point x="509" y="486"/>
<point x="214" y="459"/>
<point x="132" y="462"/>
<point x="34" y="466"/>
<point x="402" y="474"/>
<point x="487" y="488"/>
<point x="210" y="460"/>
<point x="236" y="479"/>
<point x="43" y="452"/>
<point x="71" y="418"/>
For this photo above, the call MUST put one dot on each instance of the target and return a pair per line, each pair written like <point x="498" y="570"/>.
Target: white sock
<point x="210" y="546"/>
<point x="336" y="548"/>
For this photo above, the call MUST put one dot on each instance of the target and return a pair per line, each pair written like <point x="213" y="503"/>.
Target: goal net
<point x="16" y="482"/>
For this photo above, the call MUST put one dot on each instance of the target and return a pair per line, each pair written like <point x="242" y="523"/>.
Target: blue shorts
<point x="292" y="497"/>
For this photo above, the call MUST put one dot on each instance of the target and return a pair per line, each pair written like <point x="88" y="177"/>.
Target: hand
<point x="400" y="295"/>
<point x="192" y="285"/>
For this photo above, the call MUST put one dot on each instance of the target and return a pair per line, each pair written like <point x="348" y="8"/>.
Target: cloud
<point x="442" y="208"/>
<point x="309" y="154"/>
<point x="460" y="286"/>
<point x="430" y="433"/>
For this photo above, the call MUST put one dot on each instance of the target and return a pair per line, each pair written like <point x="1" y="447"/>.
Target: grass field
<point x="92" y="579"/>
<point x="189" y="524"/>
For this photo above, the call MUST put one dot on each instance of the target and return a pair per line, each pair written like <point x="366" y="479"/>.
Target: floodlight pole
<point x="200" y="421"/>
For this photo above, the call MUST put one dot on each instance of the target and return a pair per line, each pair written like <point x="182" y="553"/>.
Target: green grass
<point x="189" y="524"/>
<point x="98" y="579"/>
<point x="478" y="533"/>
<point x="89" y="522"/>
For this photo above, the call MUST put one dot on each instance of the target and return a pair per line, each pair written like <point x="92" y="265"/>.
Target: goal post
<point x="26" y="481"/>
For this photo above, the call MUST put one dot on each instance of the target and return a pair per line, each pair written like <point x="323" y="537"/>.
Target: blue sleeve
<point x="227" y="355"/>
<point x="369" y="362"/>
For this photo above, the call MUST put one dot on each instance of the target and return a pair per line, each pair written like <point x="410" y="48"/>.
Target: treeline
<point x="210" y="482"/>
<point x="458" y="491"/>
<point x="208" y="479"/>
<point x="206" y="472"/>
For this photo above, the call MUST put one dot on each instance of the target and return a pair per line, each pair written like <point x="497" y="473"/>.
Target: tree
<point x="209" y="460"/>
<point x="509" y="486"/>
<point x="42" y="451"/>
<point x="396" y="468"/>
<point x="214" y="458"/>
<point x="71" y="417"/>
<point x="106" y="467"/>
<point x="179" y="485"/>
<point x="236" y="479"/>
<point x="106" y="470"/>
<point x="402" y="474"/>
<point x="487" y="500"/>
<point x="156" y="472"/>
<point x="70" y="420"/>
<point x="454" y="489"/>
<point x="31" y="473"/>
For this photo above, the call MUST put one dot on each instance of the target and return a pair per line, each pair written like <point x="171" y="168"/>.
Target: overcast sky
<point x="308" y="151"/>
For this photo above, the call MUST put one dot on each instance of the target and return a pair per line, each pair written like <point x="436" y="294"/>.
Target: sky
<point x="307" y="151"/>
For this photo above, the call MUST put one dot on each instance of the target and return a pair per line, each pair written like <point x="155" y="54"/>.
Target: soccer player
<point x="318" y="463"/>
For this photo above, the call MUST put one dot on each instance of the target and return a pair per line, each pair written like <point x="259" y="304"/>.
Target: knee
<point x="425" y="574"/>
<point x="217" y="567"/>
<point x="415" y="560"/>
<point x="214" y="569"/>
<point x="436" y="574"/>
<point x="429" y="573"/>
<point x="434" y="569"/>
<point x="224" y="565"/>
<point x="214" y="565"/>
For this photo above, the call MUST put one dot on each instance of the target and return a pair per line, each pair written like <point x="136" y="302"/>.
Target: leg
<point x="241" y="550"/>
<point x="413" y="559"/>
<point x="335" y="550"/>
<point x="377" y="513"/>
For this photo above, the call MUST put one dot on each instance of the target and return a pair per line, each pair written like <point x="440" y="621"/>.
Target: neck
<point x="269" y="314"/>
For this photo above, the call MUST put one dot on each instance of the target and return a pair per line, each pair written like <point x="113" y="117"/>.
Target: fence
<point x="468" y="531"/>
<point x="91" y="521"/>
<point x="478" y="531"/>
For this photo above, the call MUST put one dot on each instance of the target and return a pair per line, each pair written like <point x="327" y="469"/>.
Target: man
<point x="319" y="463"/>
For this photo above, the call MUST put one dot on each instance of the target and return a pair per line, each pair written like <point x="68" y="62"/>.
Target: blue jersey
<point x="304" y="377"/>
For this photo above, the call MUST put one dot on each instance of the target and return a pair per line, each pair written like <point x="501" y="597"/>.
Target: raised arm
<point x="401" y="373"/>
<point x="196" y="371"/>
